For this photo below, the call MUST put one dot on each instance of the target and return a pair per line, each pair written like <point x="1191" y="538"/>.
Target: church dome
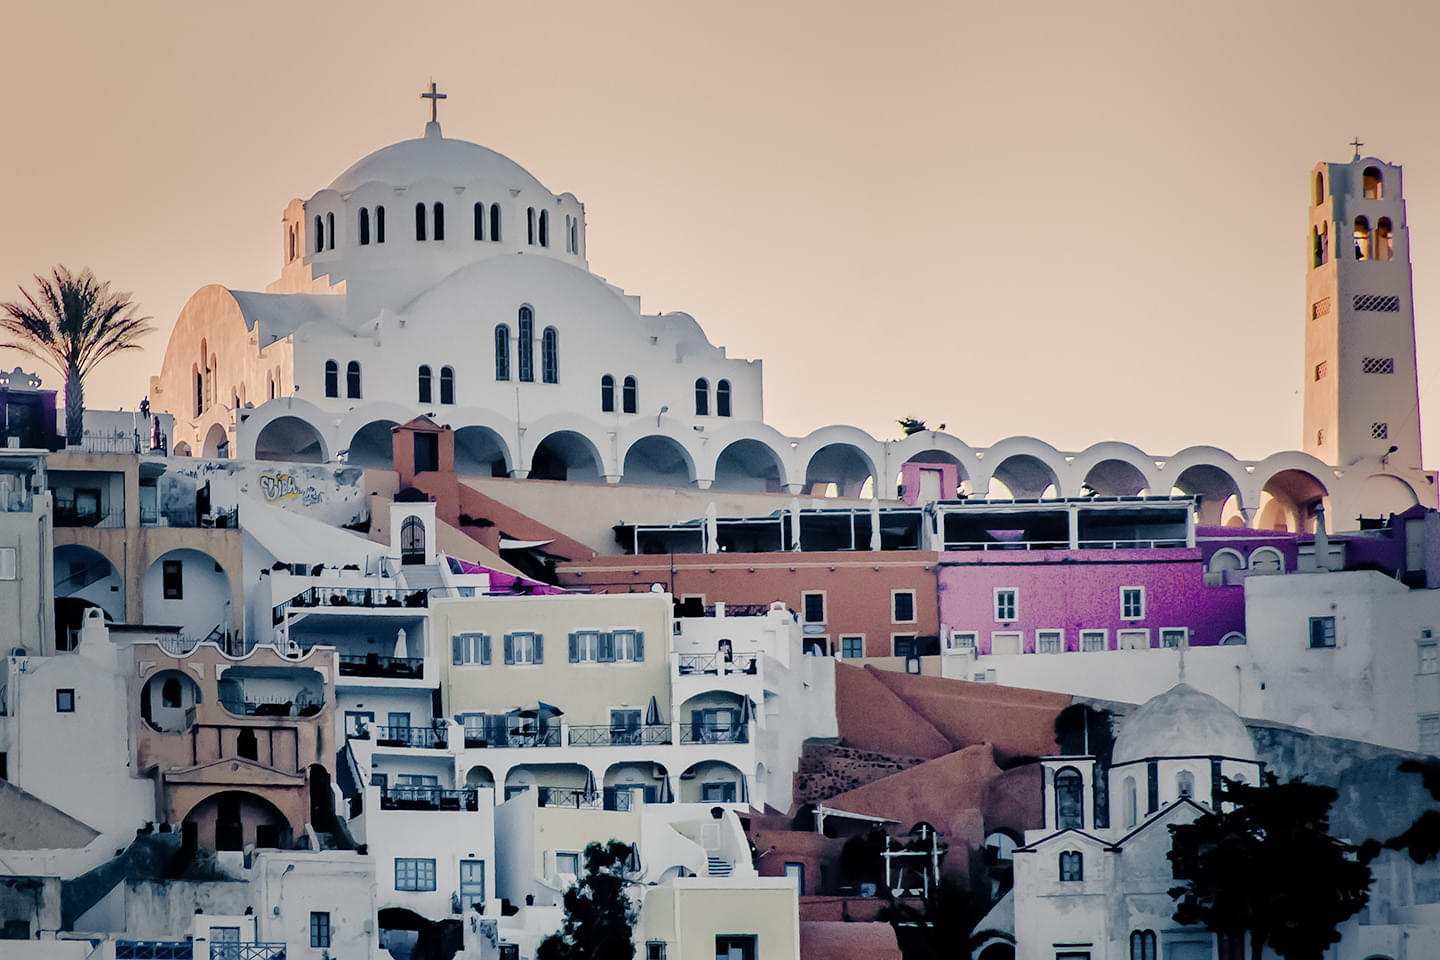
<point x="1183" y="722"/>
<point x="435" y="157"/>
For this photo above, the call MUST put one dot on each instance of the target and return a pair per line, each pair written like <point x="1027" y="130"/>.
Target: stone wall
<point x="827" y="770"/>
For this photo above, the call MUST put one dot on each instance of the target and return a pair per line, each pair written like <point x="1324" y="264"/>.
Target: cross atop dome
<point x="434" y="96"/>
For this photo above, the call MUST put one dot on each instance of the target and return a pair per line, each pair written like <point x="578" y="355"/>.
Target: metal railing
<point x="107" y="443"/>
<point x="1007" y="544"/>
<point x="70" y="517"/>
<point x="421" y="737"/>
<point x="247" y="951"/>
<point x="605" y="735"/>
<point x="154" y="950"/>
<point x="514" y="738"/>
<point x="708" y="733"/>
<point x="270" y="707"/>
<point x="1132" y="544"/>
<point x="374" y="665"/>
<point x="740" y="609"/>
<point x="711" y="663"/>
<point x="568" y="797"/>
<point x="406" y="797"/>
<point x="388" y="597"/>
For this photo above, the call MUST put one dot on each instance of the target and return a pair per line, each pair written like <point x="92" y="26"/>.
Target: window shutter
<point x="509" y="648"/>
<point x="485" y="648"/>
<point x="539" y="648"/>
<point x="606" y="642"/>
<point x="457" y="653"/>
<point x="1152" y="800"/>
<point x="574" y="648"/>
<point x="639" y="645"/>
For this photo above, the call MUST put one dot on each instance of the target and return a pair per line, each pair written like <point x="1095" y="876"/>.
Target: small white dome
<point x="1183" y="722"/>
<point x="434" y="157"/>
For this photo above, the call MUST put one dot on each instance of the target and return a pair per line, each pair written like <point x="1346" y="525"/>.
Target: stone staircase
<point x="422" y="576"/>
<point x="716" y="867"/>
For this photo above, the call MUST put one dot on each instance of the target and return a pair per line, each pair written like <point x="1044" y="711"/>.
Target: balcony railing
<point x="405" y="797"/>
<point x="708" y="733"/>
<point x="112" y="443"/>
<point x="374" y="665"/>
<point x="568" y="797"/>
<point x="424" y="738"/>
<point x="270" y="707"/>
<point x="513" y="738"/>
<point x="68" y="516"/>
<point x="1132" y="544"/>
<point x="154" y="950"/>
<point x="369" y="597"/>
<point x="711" y="663"/>
<point x="604" y="735"/>
<point x="740" y="610"/>
<point x="247" y="951"/>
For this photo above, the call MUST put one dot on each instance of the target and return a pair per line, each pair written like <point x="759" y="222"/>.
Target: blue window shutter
<point x="509" y="648"/>
<point x="457" y="654"/>
<point x="607" y="647"/>
<point x="485" y="648"/>
<point x="574" y="648"/>
<point x="539" y="648"/>
<point x="639" y="645"/>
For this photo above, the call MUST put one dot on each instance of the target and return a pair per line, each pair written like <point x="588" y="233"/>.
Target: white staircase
<point x="422" y="576"/>
<point x="716" y="867"/>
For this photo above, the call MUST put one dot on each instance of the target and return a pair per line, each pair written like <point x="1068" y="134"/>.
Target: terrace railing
<point x="514" y="738"/>
<point x="711" y="663"/>
<point x="405" y="797"/>
<point x="225" y="950"/>
<point x="154" y="950"/>
<point x="395" y="736"/>
<point x="708" y="733"/>
<point x="367" y="597"/>
<point x="568" y="797"/>
<point x="605" y="735"/>
<point x="374" y="665"/>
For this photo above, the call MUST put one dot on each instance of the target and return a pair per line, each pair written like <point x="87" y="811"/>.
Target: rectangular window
<point x="1429" y="663"/>
<point x="852" y="648"/>
<point x="585" y="646"/>
<point x="1093" y="641"/>
<point x="9" y="563"/>
<point x="415" y="873"/>
<point x="1322" y="632"/>
<point x="172" y="580"/>
<point x="963" y="640"/>
<point x="1132" y="603"/>
<point x="1006" y="604"/>
<point x="732" y="947"/>
<point x="904" y="645"/>
<point x="1375" y="303"/>
<point x="1430" y="734"/>
<point x="1049" y="641"/>
<point x="654" y="950"/>
<point x="629" y="646"/>
<point x="469" y="648"/>
<point x="1380" y="431"/>
<point x="523" y="648"/>
<point x="720" y="791"/>
<point x="1174" y="637"/>
<point x="65" y="700"/>
<point x="814" y="604"/>
<point x="1320" y="308"/>
<point x="319" y="929"/>
<point x="902" y="603"/>
<point x="567" y="862"/>
<point x="1132" y="639"/>
<point x="357" y="723"/>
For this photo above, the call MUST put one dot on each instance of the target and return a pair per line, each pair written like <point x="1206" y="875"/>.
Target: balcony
<point x="570" y="797"/>
<point x="246" y="951"/>
<point x="709" y="733"/>
<point x="241" y="706"/>
<point x="549" y="737"/>
<point x="424" y="738"/>
<point x="428" y="798"/>
<point x="711" y="663"/>
<point x="154" y="950"/>
<point x="604" y="735"/>
<point x="374" y="665"/>
<point x="362" y="597"/>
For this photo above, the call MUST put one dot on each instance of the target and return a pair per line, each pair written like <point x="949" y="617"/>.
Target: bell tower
<point x="1361" y="394"/>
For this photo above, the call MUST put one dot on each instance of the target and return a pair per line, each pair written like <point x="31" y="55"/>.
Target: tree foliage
<point x="1422" y="839"/>
<point x="1268" y="867"/>
<point x="911" y="425"/>
<point x="74" y="322"/>
<point x="940" y="927"/>
<point x="598" y="912"/>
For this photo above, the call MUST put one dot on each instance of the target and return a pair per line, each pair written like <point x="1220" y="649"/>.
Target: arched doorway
<point x="233" y="819"/>
<point x="566" y="455"/>
<point x="480" y="452"/>
<point x="84" y="578"/>
<point x="748" y="465"/>
<point x="412" y="540"/>
<point x="373" y="445"/>
<point x="290" y="439"/>
<point x="658" y="461"/>
<point x="217" y="442"/>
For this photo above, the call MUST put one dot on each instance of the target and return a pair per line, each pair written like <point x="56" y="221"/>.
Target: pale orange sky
<point x="1076" y="221"/>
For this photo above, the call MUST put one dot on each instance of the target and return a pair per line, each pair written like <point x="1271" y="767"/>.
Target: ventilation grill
<point x="1376" y="304"/>
<point x="1380" y="431"/>
<point x="1378" y="365"/>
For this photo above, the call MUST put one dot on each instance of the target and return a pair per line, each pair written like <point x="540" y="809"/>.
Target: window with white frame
<point x="1174" y="637"/>
<point x="852" y="648"/>
<point x="902" y="603"/>
<point x="1049" y="641"/>
<point x="585" y="646"/>
<point x="414" y="873"/>
<point x="523" y="648"/>
<point x="1429" y="662"/>
<point x="1006" y="603"/>
<point x="814" y="604"/>
<point x="567" y="862"/>
<point x="469" y="648"/>
<point x="1430" y="733"/>
<point x="963" y="640"/>
<point x="1092" y="641"/>
<point x="629" y="646"/>
<point x="1132" y="639"/>
<point x="1132" y="603"/>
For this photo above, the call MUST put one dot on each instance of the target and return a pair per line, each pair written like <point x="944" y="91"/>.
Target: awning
<point x="508" y="544"/>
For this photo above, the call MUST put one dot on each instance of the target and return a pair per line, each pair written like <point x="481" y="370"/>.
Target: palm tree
<point x="73" y="321"/>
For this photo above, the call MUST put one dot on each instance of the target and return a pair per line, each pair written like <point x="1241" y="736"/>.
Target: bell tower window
<point x="319" y="234"/>
<point x="1319" y="188"/>
<point x="352" y="380"/>
<point x="1384" y="246"/>
<point x="1362" y="238"/>
<point x="630" y="395"/>
<point x="1373" y="184"/>
<point x="722" y="398"/>
<point x="702" y="397"/>
<point x="447" y="385"/>
<point x="330" y="231"/>
<point x="607" y="394"/>
<point x="479" y="221"/>
<point x="494" y="222"/>
<point x="544" y="228"/>
<point x="332" y="378"/>
<point x="530" y="226"/>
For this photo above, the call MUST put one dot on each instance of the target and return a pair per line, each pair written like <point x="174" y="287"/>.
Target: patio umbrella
<point x="401" y="651"/>
<point x="750" y="713"/>
<point x="632" y="862"/>
<point x="590" y="790"/>
<point x="652" y="713"/>
<point x="666" y="795"/>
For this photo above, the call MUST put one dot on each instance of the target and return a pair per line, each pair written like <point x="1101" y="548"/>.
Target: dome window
<point x="544" y="228"/>
<point x="722" y="398"/>
<point x="319" y="234"/>
<point x="447" y="385"/>
<point x="379" y="224"/>
<point x="479" y="221"/>
<point x="702" y="397"/>
<point x="607" y="394"/>
<point x="352" y="380"/>
<point x="494" y="223"/>
<point x="419" y="221"/>
<point x="330" y="231"/>
<point x="502" y="351"/>
<point x="424" y="385"/>
<point x="630" y="395"/>
<point x="530" y="226"/>
<point x="525" y="337"/>
<point x="550" y="355"/>
<point x="439" y="221"/>
<point x="364" y="227"/>
<point x="332" y="378"/>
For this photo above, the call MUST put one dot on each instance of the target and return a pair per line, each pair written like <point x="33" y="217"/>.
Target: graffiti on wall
<point x="277" y="486"/>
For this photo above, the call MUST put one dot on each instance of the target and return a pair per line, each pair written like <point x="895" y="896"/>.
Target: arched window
<point x="1184" y="784"/>
<point x="607" y="394"/>
<point x="575" y="235"/>
<point x="630" y="395"/>
<point x="447" y="384"/>
<point x="379" y="224"/>
<point x="1317" y="257"/>
<point x="1319" y="188"/>
<point x="270" y="380"/>
<point x="424" y="383"/>
<point x="544" y="228"/>
<point x="1142" y="945"/>
<point x="292" y="242"/>
<point x="319" y="234"/>
<point x="722" y="398"/>
<point x="494" y="222"/>
<point x="525" y="335"/>
<point x="569" y="243"/>
<point x="352" y="380"/>
<point x="550" y="355"/>
<point x="332" y="378"/>
<point x="479" y="221"/>
<point x="170" y="692"/>
<point x="439" y="226"/>
<point x="1130" y="800"/>
<point x="1069" y="799"/>
<point x="1373" y="184"/>
<point x="1362" y="238"/>
<point x="1325" y="242"/>
<point x="1072" y="866"/>
<point x="1384" y="247"/>
<point x="530" y="226"/>
<point x="1267" y="560"/>
<point x="702" y="397"/>
<point x="200" y="389"/>
<point x="419" y="221"/>
<point x="502" y="351"/>
<point x="364" y="226"/>
<point x="330" y="231"/>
